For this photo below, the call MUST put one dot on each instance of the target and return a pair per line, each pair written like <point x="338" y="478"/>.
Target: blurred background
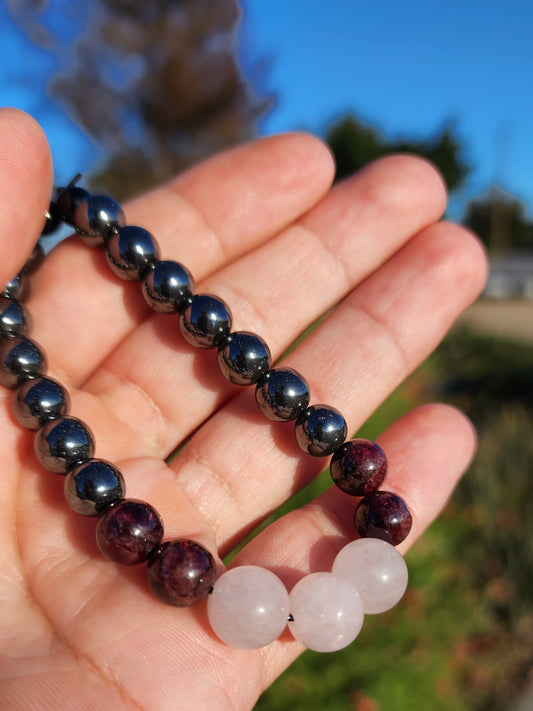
<point x="130" y="92"/>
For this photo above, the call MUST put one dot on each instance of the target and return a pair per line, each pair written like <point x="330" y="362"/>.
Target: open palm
<point x="260" y="227"/>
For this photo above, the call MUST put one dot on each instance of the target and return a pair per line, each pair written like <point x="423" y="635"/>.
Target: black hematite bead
<point x="67" y="203"/>
<point x="320" y="430"/>
<point x="384" y="515"/>
<point x="39" y="401"/>
<point x="13" y="318"/>
<point x="127" y="532"/>
<point x="168" y="287"/>
<point x="17" y="288"/>
<point x="181" y="573"/>
<point x="64" y="443"/>
<point x="243" y="358"/>
<point x="93" y="486"/>
<point x="282" y="394"/>
<point x="20" y="360"/>
<point x="132" y="252"/>
<point x="97" y="218"/>
<point x="35" y="259"/>
<point x="358" y="467"/>
<point x="206" y="322"/>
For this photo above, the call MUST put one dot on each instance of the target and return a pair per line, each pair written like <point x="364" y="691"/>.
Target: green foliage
<point x="500" y="220"/>
<point x="354" y="144"/>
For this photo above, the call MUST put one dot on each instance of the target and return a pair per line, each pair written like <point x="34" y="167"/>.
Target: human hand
<point x="260" y="227"/>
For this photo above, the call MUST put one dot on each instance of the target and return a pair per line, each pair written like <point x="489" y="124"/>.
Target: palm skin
<point x="261" y="227"/>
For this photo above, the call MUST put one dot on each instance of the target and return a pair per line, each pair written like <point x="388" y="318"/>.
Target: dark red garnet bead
<point x="128" y="532"/>
<point x="384" y="515"/>
<point x="358" y="467"/>
<point x="181" y="573"/>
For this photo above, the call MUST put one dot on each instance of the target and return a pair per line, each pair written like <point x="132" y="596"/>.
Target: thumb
<point x="25" y="188"/>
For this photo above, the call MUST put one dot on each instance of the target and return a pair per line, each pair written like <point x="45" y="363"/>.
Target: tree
<point x="354" y="144"/>
<point x="156" y="83"/>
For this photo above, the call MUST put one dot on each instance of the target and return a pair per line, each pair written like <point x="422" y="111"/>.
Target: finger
<point x="205" y="218"/>
<point x="428" y="450"/>
<point x="25" y="186"/>
<point x="353" y="360"/>
<point x="276" y="291"/>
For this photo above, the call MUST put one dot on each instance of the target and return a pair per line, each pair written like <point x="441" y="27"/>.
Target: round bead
<point x="13" y="318"/>
<point x="93" y="486"/>
<point x="127" y="532"/>
<point x="20" y="360"/>
<point x="248" y="607"/>
<point x="16" y="288"/>
<point x="51" y="222"/>
<point x="282" y="394"/>
<point x="376" y="569"/>
<point x="132" y="252"/>
<point x="327" y="612"/>
<point x="35" y="259"/>
<point x="243" y="358"/>
<point x="358" y="467"/>
<point x="181" y="573"/>
<point x="67" y="203"/>
<point x="168" y="287"/>
<point x="38" y="401"/>
<point x="97" y="218"/>
<point x="384" y="515"/>
<point x="64" y="443"/>
<point x="320" y="430"/>
<point x="206" y="321"/>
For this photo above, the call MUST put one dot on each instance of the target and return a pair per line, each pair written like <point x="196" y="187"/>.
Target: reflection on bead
<point x="376" y="569"/>
<point x="384" y="515"/>
<point x="282" y="394"/>
<point x="181" y="573"/>
<point x="243" y="358"/>
<point x="38" y="401"/>
<point x="206" y="321"/>
<point x="327" y="612"/>
<point x="248" y="607"/>
<point x="358" y="467"/>
<point x="97" y="218"/>
<point x="67" y="202"/>
<point x="168" y="287"/>
<point x="17" y="288"/>
<point x="13" y="318"/>
<point x="93" y="486"/>
<point x="64" y="443"/>
<point x="127" y="532"/>
<point x="320" y="430"/>
<point x="132" y="252"/>
<point x="20" y="360"/>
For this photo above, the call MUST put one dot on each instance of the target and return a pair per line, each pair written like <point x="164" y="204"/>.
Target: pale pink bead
<point x="376" y="569"/>
<point x="327" y="611"/>
<point x="248" y="607"/>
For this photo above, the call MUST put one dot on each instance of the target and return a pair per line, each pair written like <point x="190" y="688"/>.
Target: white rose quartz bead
<point x="248" y="607"/>
<point x="376" y="569"/>
<point x="327" y="612"/>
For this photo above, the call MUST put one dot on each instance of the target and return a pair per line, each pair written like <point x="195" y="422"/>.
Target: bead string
<point x="248" y="606"/>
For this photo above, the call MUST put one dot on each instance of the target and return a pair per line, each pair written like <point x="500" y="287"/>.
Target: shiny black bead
<point x="97" y="218"/>
<point x="35" y="259"/>
<point x="38" y="401"/>
<point x="93" y="486"/>
<point x="206" y="321"/>
<point x="168" y="287"/>
<point x="17" y="288"/>
<point x="13" y="318"/>
<point x="67" y="203"/>
<point x="243" y="358"/>
<point x="132" y="252"/>
<point x="20" y="360"/>
<point x="282" y="394"/>
<point x="51" y="221"/>
<point x="320" y="430"/>
<point x="64" y="443"/>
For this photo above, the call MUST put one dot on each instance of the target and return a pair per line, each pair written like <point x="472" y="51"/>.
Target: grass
<point x="462" y="638"/>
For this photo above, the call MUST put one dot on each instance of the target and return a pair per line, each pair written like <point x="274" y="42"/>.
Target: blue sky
<point x="406" y="67"/>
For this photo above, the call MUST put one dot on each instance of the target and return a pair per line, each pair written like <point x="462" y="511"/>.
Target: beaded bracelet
<point x="247" y="606"/>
